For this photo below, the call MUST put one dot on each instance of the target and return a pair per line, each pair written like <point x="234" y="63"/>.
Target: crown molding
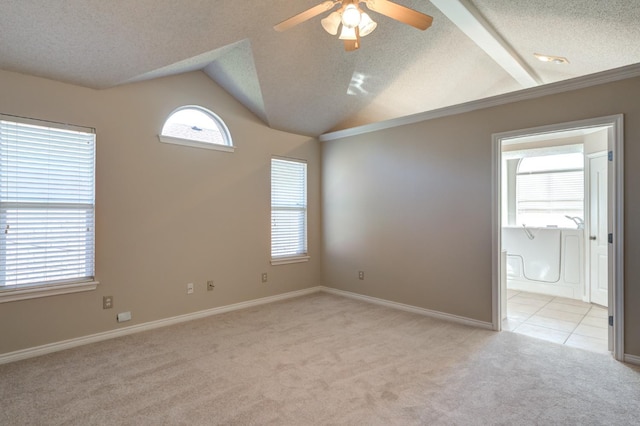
<point x="609" y="76"/>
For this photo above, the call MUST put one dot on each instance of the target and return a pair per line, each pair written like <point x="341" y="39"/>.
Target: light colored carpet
<point x="320" y="359"/>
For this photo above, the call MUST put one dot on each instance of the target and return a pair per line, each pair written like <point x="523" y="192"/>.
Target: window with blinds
<point x="288" y="209"/>
<point x="548" y="189"/>
<point x="46" y="203"/>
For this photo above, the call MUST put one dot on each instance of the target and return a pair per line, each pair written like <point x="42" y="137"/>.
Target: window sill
<point x="196" y="144"/>
<point x="23" y="293"/>
<point x="287" y="260"/>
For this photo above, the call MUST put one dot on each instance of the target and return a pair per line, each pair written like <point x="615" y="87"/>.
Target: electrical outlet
<point x="264" y="277"/>
<point x="107" y="302"/>
<point x="190" y="288"/>
<point x="210" y="286"/>
<point x="361" y="275"/>
<point x="124" y="316"/>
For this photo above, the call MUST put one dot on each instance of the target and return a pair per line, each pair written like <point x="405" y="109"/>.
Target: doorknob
<point x="593" y="237"/>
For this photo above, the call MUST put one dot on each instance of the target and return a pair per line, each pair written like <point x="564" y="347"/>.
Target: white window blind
<point x="46" y="204"/>
<point x="547" y="196"/>
<point x="288" y="208"/>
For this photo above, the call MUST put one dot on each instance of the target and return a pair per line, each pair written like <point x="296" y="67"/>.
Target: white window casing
<point x="288" y="211"/>
<point x="47" y="208"/>
<point x="196" y="127"/>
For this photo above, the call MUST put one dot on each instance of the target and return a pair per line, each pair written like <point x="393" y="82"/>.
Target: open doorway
<point x="557" y="207"/>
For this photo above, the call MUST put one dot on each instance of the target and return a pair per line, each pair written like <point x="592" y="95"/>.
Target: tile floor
<point x="557" y="319"/>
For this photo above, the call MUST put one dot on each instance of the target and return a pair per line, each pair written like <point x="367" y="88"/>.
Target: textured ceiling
<point x="302" y="80"/>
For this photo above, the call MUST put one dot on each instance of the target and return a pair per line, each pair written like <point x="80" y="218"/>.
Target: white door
<point x="597" y="229"/>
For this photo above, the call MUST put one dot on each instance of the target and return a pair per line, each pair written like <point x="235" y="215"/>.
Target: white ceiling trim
<point x="609" y="76"/>
<point x="469" y="20"/>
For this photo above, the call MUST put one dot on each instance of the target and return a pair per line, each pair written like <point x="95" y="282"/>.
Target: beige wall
<point x="411" y="206"/>
<point x="166" y="215"/>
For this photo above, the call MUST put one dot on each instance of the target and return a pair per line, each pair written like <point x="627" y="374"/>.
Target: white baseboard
<point x="410" y="308"/>
<point x="72" y="343"/>
<point x="98" y="337"/>
<point x="632" y="359"/>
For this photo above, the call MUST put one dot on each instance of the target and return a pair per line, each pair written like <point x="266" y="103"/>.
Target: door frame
<point x="616" y="217"/>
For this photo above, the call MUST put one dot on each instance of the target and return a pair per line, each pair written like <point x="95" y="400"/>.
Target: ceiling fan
<point x="355" y="22"/>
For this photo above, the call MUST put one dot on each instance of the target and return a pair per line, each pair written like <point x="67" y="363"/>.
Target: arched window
<point x="197" y="127"/>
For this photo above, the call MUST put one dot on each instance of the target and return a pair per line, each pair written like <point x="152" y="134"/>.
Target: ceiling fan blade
<point x="400" y="13"/>
<point x="304" y="16"/>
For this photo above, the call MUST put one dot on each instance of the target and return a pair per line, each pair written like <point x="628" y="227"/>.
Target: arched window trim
<point x="224" y="131"/>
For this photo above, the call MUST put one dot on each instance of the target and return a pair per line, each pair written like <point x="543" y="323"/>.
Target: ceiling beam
<point x="469" y="20"/>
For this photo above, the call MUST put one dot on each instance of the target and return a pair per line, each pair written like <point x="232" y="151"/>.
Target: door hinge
<point x="610" y="238"/>
<point x="611" y="320"/>
<point x="610" y="155"/>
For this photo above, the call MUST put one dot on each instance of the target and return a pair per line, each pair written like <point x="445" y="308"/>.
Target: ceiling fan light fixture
<point x="351" y="16"/>
<point x="331" y="23"/>
<point x="367" y="25"/>
<point x="354" y="21"/>
<point x="348" y="33"/>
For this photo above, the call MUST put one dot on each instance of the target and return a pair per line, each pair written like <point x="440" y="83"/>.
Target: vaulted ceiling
<point x="302" y="80"/>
